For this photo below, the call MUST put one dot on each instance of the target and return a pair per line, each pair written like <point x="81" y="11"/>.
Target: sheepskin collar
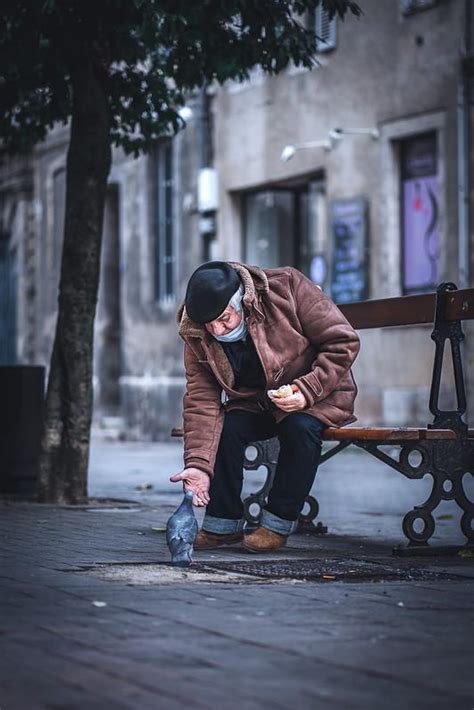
<point x="255" y="283"/>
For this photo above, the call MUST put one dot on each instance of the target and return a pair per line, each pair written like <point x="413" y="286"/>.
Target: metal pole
<point x="463" y="162"/>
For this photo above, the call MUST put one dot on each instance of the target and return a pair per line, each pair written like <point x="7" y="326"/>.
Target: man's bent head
<point x="209" y="293"/>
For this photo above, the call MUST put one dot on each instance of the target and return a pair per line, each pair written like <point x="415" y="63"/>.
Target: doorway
<point x="108" y="323"/>
<point x="8" y="301"/>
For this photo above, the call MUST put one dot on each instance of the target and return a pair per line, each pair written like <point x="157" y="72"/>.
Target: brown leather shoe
<point x="263" y="540"/>
<point x="210" y="541"/>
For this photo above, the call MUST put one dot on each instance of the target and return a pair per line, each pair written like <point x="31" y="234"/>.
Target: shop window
<point x="311" y="242"/>
<point x="287" y="227"/>
<point x="269" y="217"/>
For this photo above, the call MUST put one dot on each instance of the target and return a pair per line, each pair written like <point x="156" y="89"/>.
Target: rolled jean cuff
<point x="222" y="526"/>
<point x="278" y="525"/>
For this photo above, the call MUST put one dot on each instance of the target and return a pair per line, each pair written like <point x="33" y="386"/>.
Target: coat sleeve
<point x="202" y="414"/>
<point x="325" y="326"/>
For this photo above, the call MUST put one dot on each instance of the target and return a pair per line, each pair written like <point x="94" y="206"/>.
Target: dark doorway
<point x="108" y="324"/>
<point x="8" y="300"/>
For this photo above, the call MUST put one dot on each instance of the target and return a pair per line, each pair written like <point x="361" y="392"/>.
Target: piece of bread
<point x="281" y="392"/>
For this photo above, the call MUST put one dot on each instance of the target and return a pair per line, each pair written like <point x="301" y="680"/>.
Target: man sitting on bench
<point x="248" y="331"/>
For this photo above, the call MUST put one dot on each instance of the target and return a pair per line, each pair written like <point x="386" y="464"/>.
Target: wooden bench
<point x="444" y="448"/>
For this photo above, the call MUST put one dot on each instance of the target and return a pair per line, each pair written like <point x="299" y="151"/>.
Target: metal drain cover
<point x="259" y="572"/>
<point x="321" y="570"/>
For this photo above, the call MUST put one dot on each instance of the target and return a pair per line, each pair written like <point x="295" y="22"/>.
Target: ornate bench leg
<point x="306" y="522"/>
<point x="267" y="456"/>
<point x="448" y="463"/>
<point x="418" y="537"/>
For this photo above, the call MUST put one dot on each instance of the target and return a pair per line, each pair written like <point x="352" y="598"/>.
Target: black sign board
<point x="349" y="260"/>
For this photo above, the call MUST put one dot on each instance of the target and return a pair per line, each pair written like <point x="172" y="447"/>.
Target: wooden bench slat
<point x="376" y="433"/>
<point x="388" y="434"/>
<point x="408" y="310"/>
<point x="405" y="310"/>
<point x="371" y="434"/>
<point x="441" y="434"/>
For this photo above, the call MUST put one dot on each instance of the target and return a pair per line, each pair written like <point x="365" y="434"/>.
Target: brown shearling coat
<point x="300" y="336"/>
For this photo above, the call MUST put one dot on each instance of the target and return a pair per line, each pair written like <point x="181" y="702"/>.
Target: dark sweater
<point x="245" y="363"/>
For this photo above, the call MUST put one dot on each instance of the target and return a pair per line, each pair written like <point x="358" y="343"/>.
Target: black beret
<point x="209" y="291"/>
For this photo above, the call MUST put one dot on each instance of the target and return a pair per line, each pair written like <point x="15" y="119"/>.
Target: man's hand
<point x="294" y="403"/>
<point x="196" y="481"/>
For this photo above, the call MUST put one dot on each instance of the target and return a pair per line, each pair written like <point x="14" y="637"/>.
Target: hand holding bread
<point x="288" y="398"/>
<point x="281" y="392"/>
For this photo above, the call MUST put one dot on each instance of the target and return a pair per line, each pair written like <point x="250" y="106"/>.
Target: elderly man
<point x="247" y="331"/>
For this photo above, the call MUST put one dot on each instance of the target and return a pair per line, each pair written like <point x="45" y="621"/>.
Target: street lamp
<point x="338" y="133"/>
<point x="334" y="135"/>
<point x="289" y="150"/>
<point x="186" y="113"/>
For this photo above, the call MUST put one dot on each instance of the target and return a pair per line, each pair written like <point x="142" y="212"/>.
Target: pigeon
<point x="181" y="531"/>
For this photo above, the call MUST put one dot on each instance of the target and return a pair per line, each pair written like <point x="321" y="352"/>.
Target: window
<point x="420" y="213"/>
<point x="408" y="7"/>
<point x="325" y="29"/>
<point x="311" y="242"/>
<point x="269" y="217"/>
<point x="165" y="256"/>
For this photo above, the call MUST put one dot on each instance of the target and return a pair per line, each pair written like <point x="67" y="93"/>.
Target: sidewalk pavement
<point x="92" y="616"/>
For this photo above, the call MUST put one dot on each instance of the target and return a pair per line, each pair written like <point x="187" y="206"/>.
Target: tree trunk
<point x="68" y="411"/>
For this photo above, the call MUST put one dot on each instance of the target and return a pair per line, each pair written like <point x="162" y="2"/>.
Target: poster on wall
<point x="349" y="277"/>
<point x="421" y="214"/>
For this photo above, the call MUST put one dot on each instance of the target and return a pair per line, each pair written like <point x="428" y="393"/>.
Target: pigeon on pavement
<point x="181" y="531"/>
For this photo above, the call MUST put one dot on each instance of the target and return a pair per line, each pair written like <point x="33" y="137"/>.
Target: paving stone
<point x="298" y="642"/>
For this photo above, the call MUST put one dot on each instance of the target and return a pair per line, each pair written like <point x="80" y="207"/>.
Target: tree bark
<point x="68" y="409"/>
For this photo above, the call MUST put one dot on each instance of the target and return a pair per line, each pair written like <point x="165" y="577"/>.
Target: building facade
<point x="356" y="172"/>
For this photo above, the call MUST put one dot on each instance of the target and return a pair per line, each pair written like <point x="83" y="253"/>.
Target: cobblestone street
<point x="92" y="616"/>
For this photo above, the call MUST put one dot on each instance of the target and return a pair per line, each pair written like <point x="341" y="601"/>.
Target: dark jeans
<point x="300" y="451"/>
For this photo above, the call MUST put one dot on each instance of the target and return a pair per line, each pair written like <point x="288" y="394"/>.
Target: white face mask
<point x="238" y="333"/>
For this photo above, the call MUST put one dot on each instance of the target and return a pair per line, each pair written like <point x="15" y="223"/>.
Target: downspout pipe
<point x="207" y="177"/>
<point x="465" y="89"/>
<point x="205" y="128"/>
<point x="464" y="149"/>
